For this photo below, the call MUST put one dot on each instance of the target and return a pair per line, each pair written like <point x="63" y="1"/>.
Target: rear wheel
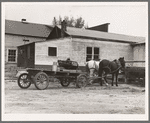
<point x="41" y="80"/>
<point x="81" y="81"/>
<point x="24" y="81"/>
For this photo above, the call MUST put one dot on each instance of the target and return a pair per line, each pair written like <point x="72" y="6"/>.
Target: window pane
<point x="9" y="58"/>
<point x="89" y="50"/>
<point x="14" y="53"/>
<point x="52" y="51"/>
<point x="96" y="50"/>
<point x="96" y="57"/>
<point x="88" y="57"/>
<point x="9" y="52"/>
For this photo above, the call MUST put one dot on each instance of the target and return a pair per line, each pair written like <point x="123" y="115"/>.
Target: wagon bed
<point x="136" y="74"/>
<point x="41" y="78"/>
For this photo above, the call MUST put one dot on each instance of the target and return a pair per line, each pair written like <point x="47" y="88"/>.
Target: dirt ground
<point x="94" y="99"/>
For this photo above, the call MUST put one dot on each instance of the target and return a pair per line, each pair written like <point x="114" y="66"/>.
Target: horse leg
<point x="100" y="72"/>
<point x="91" y="75"/>
<point x="117" y="78"/>
<point x="101" y="81"/>
<point x="100" y="75"/>
<point x="112" y="79"/>
<point x="105" y="78"/>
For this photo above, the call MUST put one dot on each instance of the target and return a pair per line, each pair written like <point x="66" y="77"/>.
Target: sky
<point x="130" y="18"/>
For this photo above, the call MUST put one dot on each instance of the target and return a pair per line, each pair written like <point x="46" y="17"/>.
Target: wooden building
<point x="79" y="45"/>
<point x="19" y="33"/>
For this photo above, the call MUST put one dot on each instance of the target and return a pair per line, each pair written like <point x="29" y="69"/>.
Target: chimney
<point x="63" y="28"/>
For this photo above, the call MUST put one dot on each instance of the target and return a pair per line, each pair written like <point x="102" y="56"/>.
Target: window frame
<point x="93" y="54"/>
<point x="56" y="51"/>
<point x="8" y="55"/>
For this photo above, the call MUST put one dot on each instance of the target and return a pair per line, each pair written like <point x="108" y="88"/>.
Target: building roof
<point x="27" y="29"/>
<point x="78" y="32"/>
<point x="102" y="27"/>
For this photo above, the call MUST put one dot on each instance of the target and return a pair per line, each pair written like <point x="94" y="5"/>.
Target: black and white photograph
<point x="74" y="61"/>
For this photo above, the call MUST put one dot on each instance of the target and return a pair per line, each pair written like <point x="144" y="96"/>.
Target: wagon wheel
<point x="65" y="82"/>
<point x="24" y="81"/>
<point x="81" y="81"/>
<point x="41" y="80"/>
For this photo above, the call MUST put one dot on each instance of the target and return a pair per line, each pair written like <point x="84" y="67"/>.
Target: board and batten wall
<point x="139" y="55"/>
<point x="108" y="50"/>
<point x="41" y="51"/>
<point x="11" y="42"/>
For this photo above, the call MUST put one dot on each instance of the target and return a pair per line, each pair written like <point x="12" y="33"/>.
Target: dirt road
<point x="94" y="99"/>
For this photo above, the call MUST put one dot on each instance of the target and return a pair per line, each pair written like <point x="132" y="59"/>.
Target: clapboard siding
<point x="108" y="50"/>
<point x="63" y="51"/>
<point x="12" y="41"/>
<point x="16" y="40"/>
<point x="10" y="70"/>
<point x="75" y="49"/>
<point x="139" y="55"/>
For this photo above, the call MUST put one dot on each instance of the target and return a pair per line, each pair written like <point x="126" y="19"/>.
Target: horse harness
<point x="118" y="64"/>
<point x="94" y="66"/>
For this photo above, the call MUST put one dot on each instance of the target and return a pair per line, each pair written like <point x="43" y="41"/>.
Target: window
<point x="92" y="53"/>
<point x="52" y="51"/>
<point x="96" y="53"/>
<point x="89" y="53"/>
<point x="12" y="54"/>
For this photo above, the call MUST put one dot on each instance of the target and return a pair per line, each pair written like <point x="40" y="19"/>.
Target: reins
<point x="115" y="70"/>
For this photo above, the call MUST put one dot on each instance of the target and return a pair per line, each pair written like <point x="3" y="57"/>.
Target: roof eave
<point x="25" y="44"/>
<point x="26" y="35"/>
<point x="138" y="44"/>
<point x="102" y="39"/>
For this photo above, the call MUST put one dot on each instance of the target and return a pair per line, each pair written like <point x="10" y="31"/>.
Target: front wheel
<point x="81" y="81"/>
<point x="41" y="80"/>
<point x="24" y="81"/>
<point x="65" y="82"/>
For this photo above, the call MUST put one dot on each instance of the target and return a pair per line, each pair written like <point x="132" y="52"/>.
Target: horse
<point x="92" y="68"/>
<point x="111" y="67"/>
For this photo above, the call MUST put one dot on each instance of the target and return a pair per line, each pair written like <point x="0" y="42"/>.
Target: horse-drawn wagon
<point x="66" y="72"/>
